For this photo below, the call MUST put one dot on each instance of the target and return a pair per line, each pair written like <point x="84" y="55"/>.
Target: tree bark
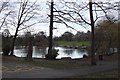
<point x="93" y="62"/>
<point x="30" y="49"/>
<point x="13" y="43"/>
<point x="51" y="30"/>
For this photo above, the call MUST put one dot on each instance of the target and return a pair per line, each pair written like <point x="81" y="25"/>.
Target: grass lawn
<point x="55" y="64"/>
<point x="108" y="74"/>
<point x="72" y="43"/>
<point x="59" y="64"/>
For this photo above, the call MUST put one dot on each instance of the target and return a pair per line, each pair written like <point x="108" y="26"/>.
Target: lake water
<point x="21" y="51"/>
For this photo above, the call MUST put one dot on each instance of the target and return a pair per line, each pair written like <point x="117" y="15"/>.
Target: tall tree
<point x="24" y="17"/>
<point x="75" y="12"/>
<point x="92" y="34"/>
<point x="51" y="30"/>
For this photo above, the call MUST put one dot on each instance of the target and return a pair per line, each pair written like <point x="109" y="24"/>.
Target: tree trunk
<point x="13" y="43"/>
<point x="93" y="62"/>
<point x="0" y="43"/>
<point x="30" y="49"/>
<point x="51" y="30"/>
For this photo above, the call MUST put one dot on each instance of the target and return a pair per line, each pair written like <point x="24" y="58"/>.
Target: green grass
<point x="73" y="43"/>
<point x="56" y="64"/>
<point x="108" y="74"/>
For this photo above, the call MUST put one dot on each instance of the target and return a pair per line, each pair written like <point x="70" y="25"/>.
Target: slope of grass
<point x="72" y="43"/>
<point x="109" y="74"/>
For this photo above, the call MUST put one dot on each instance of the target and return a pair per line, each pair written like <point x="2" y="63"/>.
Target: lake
<point x="21" y="51"/>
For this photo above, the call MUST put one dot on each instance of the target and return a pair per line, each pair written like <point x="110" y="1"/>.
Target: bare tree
<point x="24" y="17"/>
<point x="5" y="11"/>
<point x="75" y="12"/>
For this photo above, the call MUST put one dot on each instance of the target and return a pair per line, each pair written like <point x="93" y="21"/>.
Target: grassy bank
<point x="107" y="74"/>
<point x="55" y="64"/>
<point x="59" y="64"/>
<point x="72" y="43"/>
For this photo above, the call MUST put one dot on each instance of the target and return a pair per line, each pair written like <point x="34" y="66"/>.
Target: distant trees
<point x="67" y="36"/>
<point x="79" y="36"/>
<point x="20" y="41"/>
<point x="40" y="39"/>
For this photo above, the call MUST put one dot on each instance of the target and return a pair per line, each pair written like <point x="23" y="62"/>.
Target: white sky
<point x="61" y="28"/>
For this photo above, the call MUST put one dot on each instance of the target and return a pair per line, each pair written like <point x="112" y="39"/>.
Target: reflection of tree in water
<point x="21" y="51"/>
<point x="68" y="52"/>
<point x="84" y="52"/>
<point x="25" y="50"/>
<point x="81" y="50"/>
<point x="41" y="51"/>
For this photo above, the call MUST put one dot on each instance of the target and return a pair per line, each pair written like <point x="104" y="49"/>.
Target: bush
<point x="6" y="45"/>
<point x="6" y="49"/>
<point x="52" y="55"/>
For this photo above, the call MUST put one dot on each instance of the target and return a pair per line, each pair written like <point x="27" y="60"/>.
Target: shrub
<point x="52" y="55"/>
<point x="6" y="49"/>
<point x="6" y="45"/>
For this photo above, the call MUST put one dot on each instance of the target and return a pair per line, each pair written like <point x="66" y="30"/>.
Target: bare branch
<point x="5" y="12"/>
<point x="61" y="21"/>
<point x="27" y="26"/>
<point x="83" y="19"/>
<point x="103" y="11"/>
<point x="4" y="18"/>
<point x="3" y="6"/>
<point x="26" y="20"/>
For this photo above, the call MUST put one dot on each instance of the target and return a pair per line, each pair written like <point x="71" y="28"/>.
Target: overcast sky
<point x="61" y="28"/>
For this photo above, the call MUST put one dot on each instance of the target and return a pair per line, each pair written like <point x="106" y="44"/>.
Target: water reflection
<point x="68" y="51"/>
<point x="21" y="51"/>
<point x="39" y="52"/>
